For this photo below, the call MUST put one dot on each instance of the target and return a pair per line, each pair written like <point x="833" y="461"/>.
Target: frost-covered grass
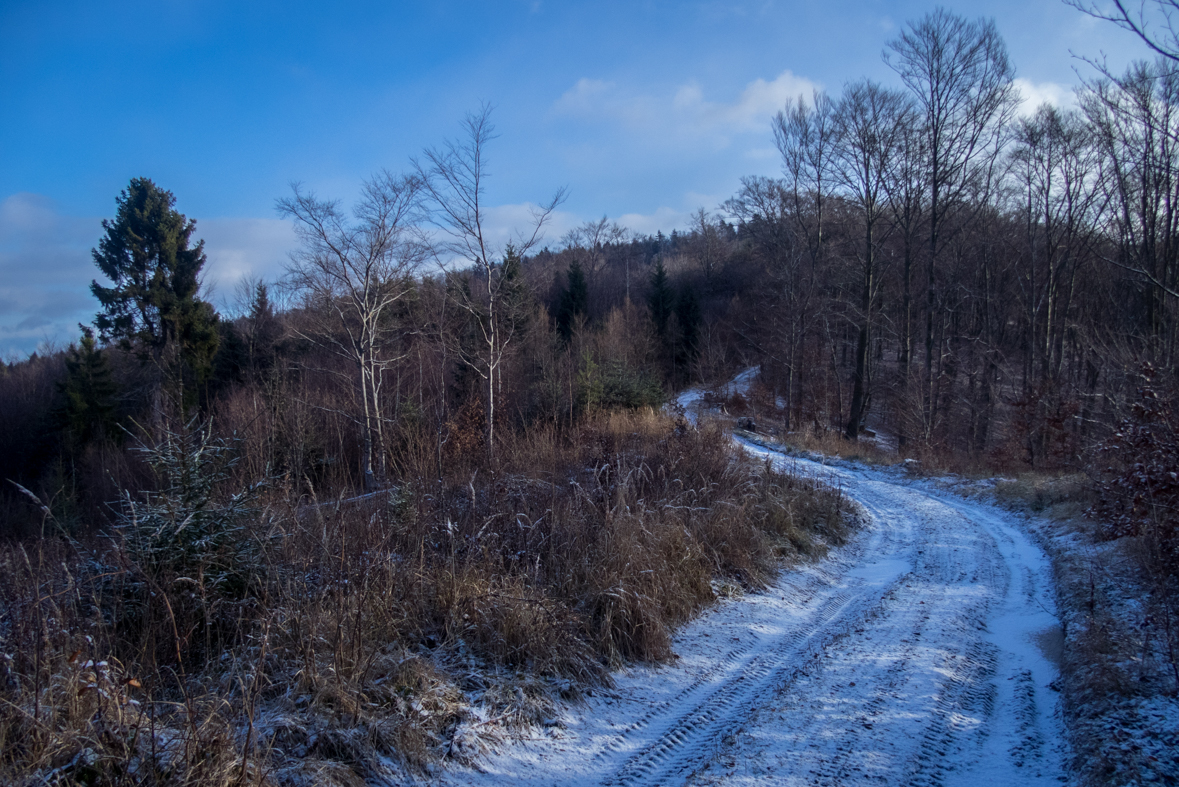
<point x="390" y="632"/>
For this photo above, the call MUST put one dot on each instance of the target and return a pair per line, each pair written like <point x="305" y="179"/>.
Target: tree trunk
<point x="860" y="379"/>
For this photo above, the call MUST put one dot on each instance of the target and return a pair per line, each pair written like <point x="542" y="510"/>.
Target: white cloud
<point x="584" y="97"/>
<point x="664" y="220"/>
<point x="34" y="219"/>
<point x="1036" y="93"/>
<point x="686" y="114"/>
<point x="46" y="267"/>
<point x="515" y="223"/>
<point x="45" y="273"/>
<point x="752" y="110"/>
<point x="239" y="248"/>
<point x="695" y="200"/>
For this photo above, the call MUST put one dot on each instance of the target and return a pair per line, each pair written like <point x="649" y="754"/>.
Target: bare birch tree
<point x="353" y="271"/>
<point x="454" y="178"/>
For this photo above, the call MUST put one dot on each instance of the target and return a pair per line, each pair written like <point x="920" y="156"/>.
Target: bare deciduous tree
<point x="593" y="238"/>
<point x="1057" y="179"/>
<point x="870" y="121"/>
<point x="1136" y="122"/>
<point x="907" y="195"/>
<point x="709" y="247"/>
<point x="962" y="82"/>
<point x="1153" y="21"/>
<point x="454" y="178"/>
<point x="591" y="245"/>
<point x="805" y="136"/>
<point x="353" y="270"/>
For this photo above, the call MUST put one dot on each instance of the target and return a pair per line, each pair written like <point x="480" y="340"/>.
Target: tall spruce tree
<point x="661" y="300"/>
<point x="152" y="305"/>
<point x="261" y="330"/>
<point x="689" y="316"/>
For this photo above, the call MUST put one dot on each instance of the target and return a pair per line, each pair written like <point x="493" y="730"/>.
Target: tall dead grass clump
<point x="74" y="712"/>
<point x="319" y="640"/>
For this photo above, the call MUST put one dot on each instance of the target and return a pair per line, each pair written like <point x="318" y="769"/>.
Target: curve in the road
<point x="905" y="658"/>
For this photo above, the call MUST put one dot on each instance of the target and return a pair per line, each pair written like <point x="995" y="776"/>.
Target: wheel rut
<point x="691" y="738"/>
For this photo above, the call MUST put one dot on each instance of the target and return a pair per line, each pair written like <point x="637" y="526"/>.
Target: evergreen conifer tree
<point x="152" y="304"/>
<point x="232" y="357"/>
<point x="516" y="300"/>
<point x="688" y="316"/>
<point x="261" y="330"/>
<point x="87" y="409"/>
<point x="574" y="301"/>
<point x="661" y="300"/>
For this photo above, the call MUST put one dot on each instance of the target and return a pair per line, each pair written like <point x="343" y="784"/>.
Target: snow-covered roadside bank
<point x="913" y="655"/>
<point x="1117" y="682"/>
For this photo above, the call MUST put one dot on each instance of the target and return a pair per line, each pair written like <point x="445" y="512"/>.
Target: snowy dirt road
<point x="918" y="654"/>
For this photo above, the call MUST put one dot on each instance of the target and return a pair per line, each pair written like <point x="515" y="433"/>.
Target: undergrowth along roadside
<point x="385" y="633"/>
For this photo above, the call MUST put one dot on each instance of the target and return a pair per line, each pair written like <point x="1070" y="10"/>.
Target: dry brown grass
<point x="372" y="624"/>
<point x="1054" y="495"/>
<point x="830" y="442"/>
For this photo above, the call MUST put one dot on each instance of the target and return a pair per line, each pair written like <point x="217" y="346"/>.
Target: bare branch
<point x="453" y="179"/>
<point x="1140" y="23"/>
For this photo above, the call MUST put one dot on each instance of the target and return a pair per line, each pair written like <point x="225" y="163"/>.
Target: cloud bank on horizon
<point x="46" y="268"/>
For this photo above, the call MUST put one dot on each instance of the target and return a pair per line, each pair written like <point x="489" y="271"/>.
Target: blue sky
<point x="646" y="111"/>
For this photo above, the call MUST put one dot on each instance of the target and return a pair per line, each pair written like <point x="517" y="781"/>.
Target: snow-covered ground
<point x="946" y="680"/>
<point x="920" y="653"/>
<point x="692" y="401"/>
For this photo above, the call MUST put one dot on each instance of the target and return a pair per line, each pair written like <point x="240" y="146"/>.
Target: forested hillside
<point x="986" y="286"/>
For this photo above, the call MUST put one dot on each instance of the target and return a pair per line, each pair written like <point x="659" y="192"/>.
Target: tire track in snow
<point x="819" y="592"/>
<point x="691" y="737"/>
<point x="914" y="697"/>
<point x="688" y="740"/>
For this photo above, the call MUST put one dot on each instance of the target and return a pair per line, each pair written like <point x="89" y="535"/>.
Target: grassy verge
<point x="333" y="644"/>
